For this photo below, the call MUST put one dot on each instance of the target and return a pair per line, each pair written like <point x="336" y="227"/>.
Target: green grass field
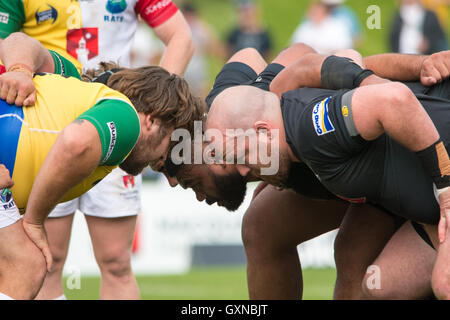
<point x="213" y="283"/>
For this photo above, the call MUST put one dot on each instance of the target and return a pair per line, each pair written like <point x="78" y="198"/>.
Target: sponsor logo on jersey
<point x="345" y="111"/>
<point x="50" y="14"/>
<point x="4" y="17"/>
<point x="116" y="6"/>
<point x="6" y="200"/>
<point x="82" y="43"/>
<point x="157" y="6"/>
<point x="112" y="141"/>
<point x="321" y="121"/>
<point x="128" y="181"/>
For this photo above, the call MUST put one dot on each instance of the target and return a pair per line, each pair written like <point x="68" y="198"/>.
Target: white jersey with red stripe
<point x="86" y="31"/>
<point x="108" y="28"/>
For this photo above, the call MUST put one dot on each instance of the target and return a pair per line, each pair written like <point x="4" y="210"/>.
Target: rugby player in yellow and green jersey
<point x="74" y="134"/>
<point x="29" y="132"/>
<point x="44" y="22"/>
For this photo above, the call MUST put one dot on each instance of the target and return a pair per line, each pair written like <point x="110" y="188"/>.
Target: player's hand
<point x="37" y="234"/>
<point x="5" y="178"/>
<point x="444" y="222"/>
<point x="17" y="88"/>
<point x="435" y="68"/>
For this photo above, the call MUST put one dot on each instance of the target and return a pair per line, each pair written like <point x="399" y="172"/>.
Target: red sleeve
<point x="155" y="12"/>
<point x="2" y="69"/>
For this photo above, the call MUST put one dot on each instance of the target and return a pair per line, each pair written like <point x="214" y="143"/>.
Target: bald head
<point x="242" y="106"/>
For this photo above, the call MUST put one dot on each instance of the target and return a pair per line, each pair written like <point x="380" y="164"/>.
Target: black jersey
<point x="380" y="172"/>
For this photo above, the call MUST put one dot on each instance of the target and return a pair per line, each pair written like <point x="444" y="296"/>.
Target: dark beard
<point x="232" y="189"/>
<point x="131" y="166"/>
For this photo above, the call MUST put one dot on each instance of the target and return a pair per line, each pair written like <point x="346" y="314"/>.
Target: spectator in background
<point x="441" y="8"/>
<point x="249" y="32"/>
<point x="206" y="43"/>
<point x="322" y="30"/>
<point x="416" y="30"/>
<point x="147" y="49"/>
<point x="346" y="14"/>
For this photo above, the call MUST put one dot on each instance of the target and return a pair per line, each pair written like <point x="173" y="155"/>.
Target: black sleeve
<point x="316" y="128"/>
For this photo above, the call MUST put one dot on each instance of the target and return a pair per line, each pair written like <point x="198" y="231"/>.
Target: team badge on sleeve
<point x="321" y="121"/>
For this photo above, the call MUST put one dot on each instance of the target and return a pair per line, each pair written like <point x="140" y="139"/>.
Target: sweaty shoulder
<point x="156" y="12"/>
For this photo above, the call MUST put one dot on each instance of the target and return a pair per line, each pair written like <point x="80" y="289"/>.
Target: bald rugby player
<point x="411" y="73"/>
<point x="348" y="138"/>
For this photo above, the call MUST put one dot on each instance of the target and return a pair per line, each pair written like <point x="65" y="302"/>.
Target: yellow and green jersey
<point x="84" y="31"/>
<point x="28" y="133"/>
<point x="47" y="23"/>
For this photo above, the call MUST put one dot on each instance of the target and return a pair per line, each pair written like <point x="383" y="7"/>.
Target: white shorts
<point x="9" y="214"/>
<point x="117" y="195"/>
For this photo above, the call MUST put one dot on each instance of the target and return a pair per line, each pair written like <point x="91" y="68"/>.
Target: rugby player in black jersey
<point x="403" y="74"/>
<point x="374" y="144"/>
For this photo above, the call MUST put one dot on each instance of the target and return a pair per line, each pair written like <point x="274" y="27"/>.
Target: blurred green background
<point x="281" y="17"/>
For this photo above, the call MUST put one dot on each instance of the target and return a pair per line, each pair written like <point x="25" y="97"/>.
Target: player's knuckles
<point x="19" y="101"/>
<point x="4" y="91"/>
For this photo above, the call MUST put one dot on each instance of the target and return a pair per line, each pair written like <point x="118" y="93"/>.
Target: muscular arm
<point x="29" y="56"/>
<point x="396" y="112"/>
<point x="394" y="66"/>
<point x="399" y="114"/>
<point x="306" y="71"/>
<point x="74" y="156"/>
<point x="176" y="35"/>
<point x="20" y="48"/>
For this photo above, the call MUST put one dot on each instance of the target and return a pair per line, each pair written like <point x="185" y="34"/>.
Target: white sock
<point x="63" y="297"/>
<point x="5" y="297"/>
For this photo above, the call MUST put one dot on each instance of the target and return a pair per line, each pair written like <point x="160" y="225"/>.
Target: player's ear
<point x="148" y="121"/>
<point x="243" y="170"/>
<point x="262" y="127"/>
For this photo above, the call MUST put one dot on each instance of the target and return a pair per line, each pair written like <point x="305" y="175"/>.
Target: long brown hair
<point x="153" y="90"/>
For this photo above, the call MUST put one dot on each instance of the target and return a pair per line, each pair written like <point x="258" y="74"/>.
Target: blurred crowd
<point x="417" y="27"/>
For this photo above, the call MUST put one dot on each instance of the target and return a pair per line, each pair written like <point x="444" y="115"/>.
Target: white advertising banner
<point x="172" y="221"/>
